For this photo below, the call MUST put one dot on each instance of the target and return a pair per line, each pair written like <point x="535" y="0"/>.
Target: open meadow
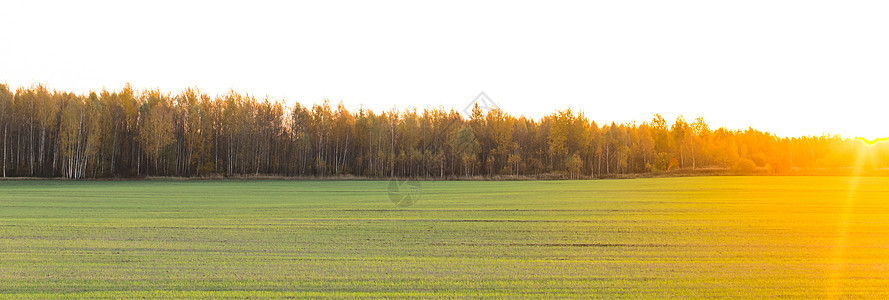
<point x="658" y="237"/>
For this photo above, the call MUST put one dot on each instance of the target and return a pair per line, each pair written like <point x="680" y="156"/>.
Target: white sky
<point x="789" y="67"/>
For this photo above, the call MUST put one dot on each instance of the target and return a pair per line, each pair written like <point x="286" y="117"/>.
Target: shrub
<point x="745" y="165"/>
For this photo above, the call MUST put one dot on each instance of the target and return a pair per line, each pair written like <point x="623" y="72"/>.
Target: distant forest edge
<point x="152" y="133"/>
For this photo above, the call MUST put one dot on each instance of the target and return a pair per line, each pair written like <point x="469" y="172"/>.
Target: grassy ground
<point x="659" y="237"/>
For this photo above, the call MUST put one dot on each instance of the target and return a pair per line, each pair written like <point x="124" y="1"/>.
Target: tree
<point x="6" y="105"/>
<point x="501" y="128"/>
<point x="71" y="138"/>
<point x="558" y="138"/>
<point x="681" y="134"/>
<point x="467" y="149"/>
<point x="699" y="134"/>
<point x="157" y="128"/>
<point x="575" y="166"/>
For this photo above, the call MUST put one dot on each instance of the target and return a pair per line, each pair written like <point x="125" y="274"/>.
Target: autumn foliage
<point x="127" y="133"/>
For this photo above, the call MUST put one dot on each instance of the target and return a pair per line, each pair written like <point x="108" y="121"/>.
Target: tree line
<point x="125" y="133"/>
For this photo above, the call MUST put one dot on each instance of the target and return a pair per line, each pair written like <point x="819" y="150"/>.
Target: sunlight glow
<point x="838" y="257"/>
<point x="874" y="141"/>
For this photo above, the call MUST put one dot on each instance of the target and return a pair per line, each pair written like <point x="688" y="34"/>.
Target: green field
<point x="661" y="237"/>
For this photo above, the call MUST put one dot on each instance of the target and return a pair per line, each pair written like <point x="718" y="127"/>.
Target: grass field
<point x="661" y="237"/>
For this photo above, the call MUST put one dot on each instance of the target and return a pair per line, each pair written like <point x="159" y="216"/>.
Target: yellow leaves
<point x="157" y="130"/>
